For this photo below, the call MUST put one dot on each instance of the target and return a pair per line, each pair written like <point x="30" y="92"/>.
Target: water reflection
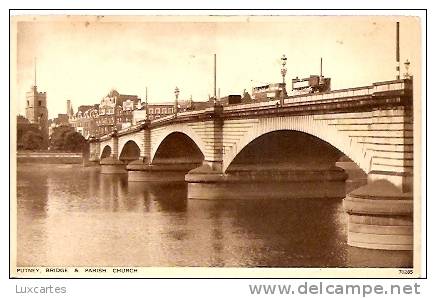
<point x="75" y="216"/>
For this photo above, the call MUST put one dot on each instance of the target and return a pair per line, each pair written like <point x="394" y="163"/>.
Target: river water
<point x="69" y="215"/>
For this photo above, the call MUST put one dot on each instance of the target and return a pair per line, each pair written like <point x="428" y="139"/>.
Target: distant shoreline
<point x="50" y="157"/>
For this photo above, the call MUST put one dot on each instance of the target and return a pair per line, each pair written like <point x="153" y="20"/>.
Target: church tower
<point x="36" y="110"/>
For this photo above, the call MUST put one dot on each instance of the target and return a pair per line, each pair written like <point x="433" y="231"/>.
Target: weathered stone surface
<point x="140" y="171"/>
<point x="380" y="216"/>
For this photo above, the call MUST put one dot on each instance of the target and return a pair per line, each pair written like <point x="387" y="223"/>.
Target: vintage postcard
<point x="215" y="146"/>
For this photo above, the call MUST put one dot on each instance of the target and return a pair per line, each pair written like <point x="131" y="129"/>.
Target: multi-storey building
<point x="155" y="111"/>
<point x="116" y="111"/>
<point x="84" y="120"/>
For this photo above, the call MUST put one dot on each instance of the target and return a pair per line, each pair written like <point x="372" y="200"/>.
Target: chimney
<point x="69" y="112"/>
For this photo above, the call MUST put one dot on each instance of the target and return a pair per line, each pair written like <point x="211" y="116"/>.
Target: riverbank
<point x="49" y="157"/>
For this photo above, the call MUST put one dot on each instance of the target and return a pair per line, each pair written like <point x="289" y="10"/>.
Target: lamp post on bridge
<point x="114" y="126"/>
<point x="406" y="66"/>
<point x="176" y="103"/>
<point x="283" y="72"/>
<point x="146" y="104"/>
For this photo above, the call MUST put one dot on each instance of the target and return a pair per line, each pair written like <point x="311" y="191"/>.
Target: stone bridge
<point x="234" y="150"/>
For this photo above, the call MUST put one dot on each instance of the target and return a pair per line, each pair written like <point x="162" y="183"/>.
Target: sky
<point x="82" y="58"/>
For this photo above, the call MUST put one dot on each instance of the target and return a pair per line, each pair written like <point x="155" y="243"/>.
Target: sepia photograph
<point x="215" y="145"/>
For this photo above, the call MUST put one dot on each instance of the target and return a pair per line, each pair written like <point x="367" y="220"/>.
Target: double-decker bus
<point x="311" y="84"/>
<point x="268" y="92"/>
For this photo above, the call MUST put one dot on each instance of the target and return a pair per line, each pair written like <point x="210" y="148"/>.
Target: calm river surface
<point x="69" y="215"/>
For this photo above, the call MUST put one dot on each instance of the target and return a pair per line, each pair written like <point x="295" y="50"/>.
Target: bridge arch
<point x="320" y="129"/>
<point x="178" y="147"/>
<point x="106" y="152"/>
<point x="159" y="135"/>
<point x="286" y="149"/>
<point x="130" y="151"/>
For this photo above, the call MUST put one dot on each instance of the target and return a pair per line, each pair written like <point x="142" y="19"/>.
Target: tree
<point x="24" y="126"/>
<point x="32" y="140"/>
<point x="74" y="141"/>
<point x="64" y="138"/>
<point x="57" y="138"/>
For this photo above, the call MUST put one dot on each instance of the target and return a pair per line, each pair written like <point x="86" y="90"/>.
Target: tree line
<point x="63" y="138"/>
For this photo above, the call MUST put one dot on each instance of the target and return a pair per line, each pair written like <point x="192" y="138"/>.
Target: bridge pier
<point x="93" y="156"/>
<point x="245" y="182"/>
<point x="91" y="163"/>
<point x="356" y="176"/>
<point x="160" y="171"/>
<point x="111" y="164"/>
<point x="380" y="216"/>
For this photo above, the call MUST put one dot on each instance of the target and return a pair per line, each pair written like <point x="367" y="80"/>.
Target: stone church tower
<point x="36" y="111"/>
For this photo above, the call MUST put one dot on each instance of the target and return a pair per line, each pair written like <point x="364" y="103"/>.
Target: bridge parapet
<point x="396" y="88"/>
<point x="387" y="86"/>
<point x="378" y="96"/>
<point x="133" y="128"/>
<point x="396" y="92"/>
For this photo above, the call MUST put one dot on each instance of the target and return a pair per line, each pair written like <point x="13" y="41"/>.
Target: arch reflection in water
<point x="164" y="197"/>
<point x="103" y="220"/>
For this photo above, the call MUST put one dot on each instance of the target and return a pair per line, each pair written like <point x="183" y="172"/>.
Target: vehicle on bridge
<point x="312" y="84"/>
<point x="268" y="92"/>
